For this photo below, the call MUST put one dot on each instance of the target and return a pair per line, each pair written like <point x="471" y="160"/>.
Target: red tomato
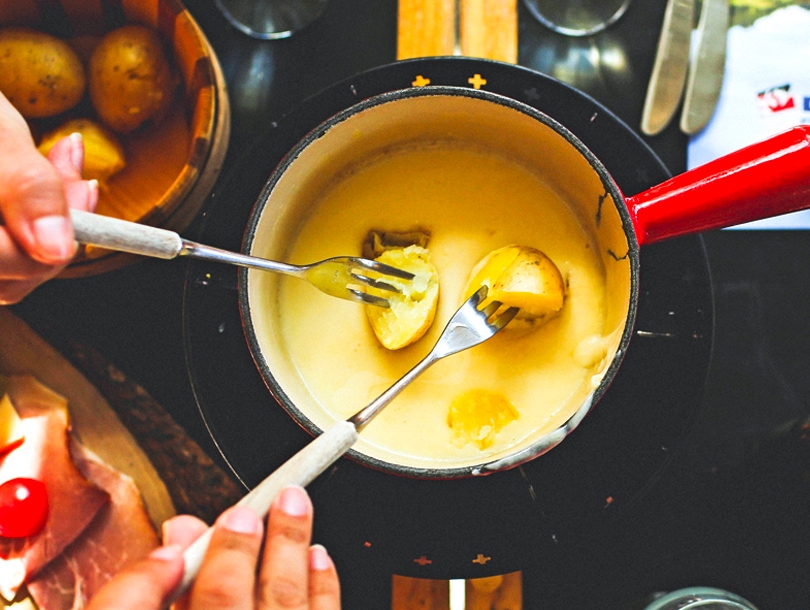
<point x="23" y="507"/>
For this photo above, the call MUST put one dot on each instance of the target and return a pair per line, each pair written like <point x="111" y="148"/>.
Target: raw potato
<point x="131" y="81"/>
<point x="39" y="74"/>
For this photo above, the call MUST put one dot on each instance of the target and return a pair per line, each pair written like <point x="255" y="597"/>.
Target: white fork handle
<point x="125" y="236"/>
<point x="300" y="469"/>
<point x="136" y="238"/>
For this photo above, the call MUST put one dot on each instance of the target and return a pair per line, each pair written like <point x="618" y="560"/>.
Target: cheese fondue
<point x="472" y="201"/>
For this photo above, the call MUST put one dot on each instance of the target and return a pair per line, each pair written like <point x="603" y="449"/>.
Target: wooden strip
<point x="489" y="29"/>
<point x="419" y="593"/>
<point x="426" y="28"/>
<point x="503" y="592"/>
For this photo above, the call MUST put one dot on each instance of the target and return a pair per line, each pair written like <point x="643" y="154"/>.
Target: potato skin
<point x="131" y="81"/>
<point x="39" y="73"/>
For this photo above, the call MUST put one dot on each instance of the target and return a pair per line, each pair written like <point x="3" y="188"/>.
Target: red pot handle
<point x="765" y="179"/>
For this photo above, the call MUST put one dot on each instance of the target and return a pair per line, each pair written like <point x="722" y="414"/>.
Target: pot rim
<point x="547" y="441"/>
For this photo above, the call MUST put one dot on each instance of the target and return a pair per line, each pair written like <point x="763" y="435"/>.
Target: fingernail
<point x="318" y="558"/>
<point x="77" y="150"/>
<point x="92" y="198"/>
<point x="54" y="237"/>
<point x="240" y="519"/>
<point x="166" y="553"/>
<point x="294" y="501"/>
<point x="166" y="532"/>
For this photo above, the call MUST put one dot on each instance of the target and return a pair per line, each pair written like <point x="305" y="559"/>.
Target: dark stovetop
<point x="724" y="502"/>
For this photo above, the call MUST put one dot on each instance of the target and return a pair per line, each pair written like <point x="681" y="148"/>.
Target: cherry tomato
<point x="23" y="507"/>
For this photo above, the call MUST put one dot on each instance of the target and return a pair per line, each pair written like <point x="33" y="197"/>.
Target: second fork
<point x="469" y="326"/>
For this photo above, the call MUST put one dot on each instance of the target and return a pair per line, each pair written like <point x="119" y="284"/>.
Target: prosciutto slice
<point x="120" y="533"/>
<point x="44" y="455"/>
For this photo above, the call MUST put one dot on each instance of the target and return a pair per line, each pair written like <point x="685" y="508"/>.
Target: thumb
<point x="146" y="585"/>
<point x="33" y="206"/>
<point x="67" y="158"/>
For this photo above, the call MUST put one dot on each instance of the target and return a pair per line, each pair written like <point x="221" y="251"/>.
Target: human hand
<point x="290" y="574"/>
<point x="36" y="237"/>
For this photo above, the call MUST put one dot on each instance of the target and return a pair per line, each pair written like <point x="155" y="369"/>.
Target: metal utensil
<point x="707" y="67"/>
<point x="469" y="326"/>
<point x="344" y="277"/>
<point x="670" y="68"/>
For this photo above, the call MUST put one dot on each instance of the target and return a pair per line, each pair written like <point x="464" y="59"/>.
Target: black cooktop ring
<point x="471" y="527"/>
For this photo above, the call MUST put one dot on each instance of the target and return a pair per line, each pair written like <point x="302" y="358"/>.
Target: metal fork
<point x="469" y="326"/>
<point x="346" y="277"/>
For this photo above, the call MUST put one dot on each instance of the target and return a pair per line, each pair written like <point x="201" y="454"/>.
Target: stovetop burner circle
<point x="472" y="527"/>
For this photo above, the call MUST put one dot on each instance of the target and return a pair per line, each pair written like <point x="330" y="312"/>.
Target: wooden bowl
<point x="171" y="166"/>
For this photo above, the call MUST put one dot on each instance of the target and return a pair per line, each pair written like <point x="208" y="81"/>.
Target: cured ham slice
<point x="120" y="533"/>
<point x="45" y="456"/>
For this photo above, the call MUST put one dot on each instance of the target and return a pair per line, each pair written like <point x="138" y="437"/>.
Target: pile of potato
<point x="127" y="75"/>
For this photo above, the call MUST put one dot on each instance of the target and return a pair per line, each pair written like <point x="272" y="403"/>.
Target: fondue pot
<point x="769" y="178"/>
<point x="473" y="526"/>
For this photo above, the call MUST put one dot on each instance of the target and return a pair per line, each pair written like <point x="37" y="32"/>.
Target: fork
<point x="346" y="277"/>
<point x="469" y="326"/>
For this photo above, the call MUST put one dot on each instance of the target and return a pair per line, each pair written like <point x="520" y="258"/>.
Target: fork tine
<point x="504" y="319"/>
<point x="478" y="296"/>
<point x="373" y="283"/>
<point x="382" y="268"/>
<point x="491" y="308"/>
<point x="370" y="299"/>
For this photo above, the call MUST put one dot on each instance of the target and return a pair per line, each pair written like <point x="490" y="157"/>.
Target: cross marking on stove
<point x="477" y="81"/>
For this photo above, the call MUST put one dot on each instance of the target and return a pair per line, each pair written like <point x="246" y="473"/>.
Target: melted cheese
<point x="472" y="202"/>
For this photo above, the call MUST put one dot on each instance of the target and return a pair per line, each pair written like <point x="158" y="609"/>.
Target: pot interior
<point x="477" y="172"/>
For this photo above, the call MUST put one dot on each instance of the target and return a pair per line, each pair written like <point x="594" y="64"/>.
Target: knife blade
<point x="705" y="80"/>
<point x="670" y="68"/>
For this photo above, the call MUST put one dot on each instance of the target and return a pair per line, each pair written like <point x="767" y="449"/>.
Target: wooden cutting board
<point x="94" y="422"/>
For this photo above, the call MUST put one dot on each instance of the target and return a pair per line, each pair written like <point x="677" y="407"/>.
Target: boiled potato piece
<point x="523" y="277"/>
<point x="476" y="417"/>
<point x="378" y="242"/>
<point x="412" y="311"/>
<point x="103" y="153"/>
<point x="39" y="74"/>
<point x="131" y="80"/>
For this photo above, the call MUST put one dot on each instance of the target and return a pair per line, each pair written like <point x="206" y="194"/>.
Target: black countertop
<point x="731" y="509"/>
